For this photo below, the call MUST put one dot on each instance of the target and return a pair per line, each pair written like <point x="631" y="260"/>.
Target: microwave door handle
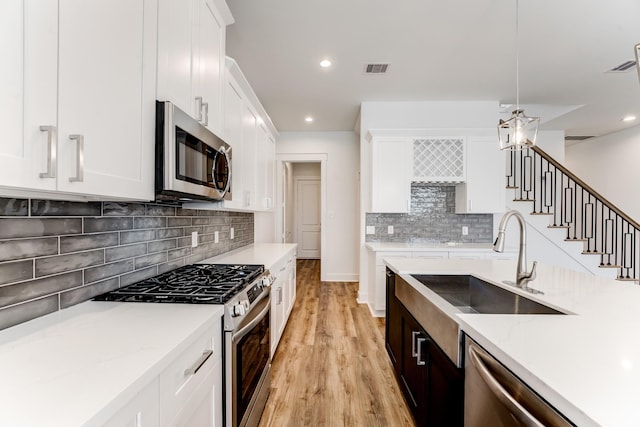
<point x="500" y="393"/>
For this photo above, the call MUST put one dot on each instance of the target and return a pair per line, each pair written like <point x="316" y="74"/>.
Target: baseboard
<point x="376" y="313"/>
<point x="341" y="277"/>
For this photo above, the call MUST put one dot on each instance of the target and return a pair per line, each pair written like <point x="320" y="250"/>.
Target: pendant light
<point x="519" y="131"/>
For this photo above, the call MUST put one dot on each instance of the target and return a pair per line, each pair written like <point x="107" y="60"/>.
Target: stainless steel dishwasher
<point x="493" y="396"/>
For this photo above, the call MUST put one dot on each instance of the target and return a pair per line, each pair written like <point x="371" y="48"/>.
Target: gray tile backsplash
<point x="55" y="254"/>
<point x="432" y="220"/>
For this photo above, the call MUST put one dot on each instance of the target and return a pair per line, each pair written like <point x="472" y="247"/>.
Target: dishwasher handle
<point x="511" y="404"/>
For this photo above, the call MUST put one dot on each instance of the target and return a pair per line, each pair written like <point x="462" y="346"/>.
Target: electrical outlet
<point x="231" y="234"/>
<point x="390" y="229"/>
<point x="216" y="237"/>
<point x="371" y="229"/>
<point x="465" y="230"/>
<point x="194" y="239"/>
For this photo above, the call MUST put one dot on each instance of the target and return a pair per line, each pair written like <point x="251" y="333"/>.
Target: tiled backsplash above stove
<point x="432" y="219"/>
<point x="54" y="254"/>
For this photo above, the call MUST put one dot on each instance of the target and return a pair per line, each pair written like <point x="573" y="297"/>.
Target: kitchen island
<point x="585" y="363"/>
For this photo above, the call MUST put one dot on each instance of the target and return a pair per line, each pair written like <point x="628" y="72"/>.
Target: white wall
<point x="609" y="164"/>
<point x="340" y="260"/>
<point x="306" y="170"/>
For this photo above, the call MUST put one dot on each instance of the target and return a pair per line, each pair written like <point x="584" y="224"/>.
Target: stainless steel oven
<point x="248" y="363"/>
<point x="191" y="161"/>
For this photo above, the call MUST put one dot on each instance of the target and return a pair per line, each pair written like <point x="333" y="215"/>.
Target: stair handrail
<point x="584" y="185"/>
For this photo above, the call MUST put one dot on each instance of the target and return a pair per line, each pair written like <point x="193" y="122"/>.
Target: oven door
<point x="250" y="367"/>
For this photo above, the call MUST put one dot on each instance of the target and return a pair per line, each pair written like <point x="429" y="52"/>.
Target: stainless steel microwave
<point x="191" y="161"/>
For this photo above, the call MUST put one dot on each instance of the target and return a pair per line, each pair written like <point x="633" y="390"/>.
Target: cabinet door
<point x="484" y="189"/>
<point x="106" y="97"/>
<point x="446" y="390"/>
<point x="414" y="373"/>
<point x="249" y="135"/>
<point x="209" y="50"/>
<point x="262" y="139"/>
<point x="391" y="175"/>
<point x="28" y="90"/>
<point x="393" y="322"/>
<point x="141" y="411"/>
<point x="205" y="409"/>
<point x="175" y="30"/>
<point x="277" y="314"/>
<point x="233" y="134"/>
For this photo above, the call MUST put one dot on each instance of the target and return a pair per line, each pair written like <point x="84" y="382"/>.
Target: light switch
<point x="370" y="229"/>
<point x="465" y="230"/>
<point x="216" y="237"/>
<point x="390" y="229"/>
<point x="194" y="239"/>
<point x="231" y="235"/>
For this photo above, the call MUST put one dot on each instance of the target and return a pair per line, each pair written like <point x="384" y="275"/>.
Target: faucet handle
<point x="532" y="274"/>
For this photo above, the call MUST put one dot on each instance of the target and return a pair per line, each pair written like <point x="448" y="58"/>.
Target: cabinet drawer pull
<point x="414" y="352"/>
<point x="79" y="158"/>
<point x="205" y="105"/>
<point x="52" y="151"/>
<point x="196" y="366"/>
<point x="419" y="360"/>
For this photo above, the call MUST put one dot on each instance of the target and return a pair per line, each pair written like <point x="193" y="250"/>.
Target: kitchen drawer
<point x="178" y="382"/>
<point x="431" y="254"/>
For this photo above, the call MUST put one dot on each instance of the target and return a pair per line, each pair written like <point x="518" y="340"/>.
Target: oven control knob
<point x="239" y="310"/>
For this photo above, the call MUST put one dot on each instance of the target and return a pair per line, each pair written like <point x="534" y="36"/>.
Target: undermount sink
<point x="472" y="295"/>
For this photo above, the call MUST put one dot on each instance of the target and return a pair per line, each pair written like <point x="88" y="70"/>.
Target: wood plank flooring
<point x="331" y="367"/>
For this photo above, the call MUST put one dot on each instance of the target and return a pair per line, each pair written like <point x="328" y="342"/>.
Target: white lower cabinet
<point x="283" y="295"/>
<point x="141" y="411"/>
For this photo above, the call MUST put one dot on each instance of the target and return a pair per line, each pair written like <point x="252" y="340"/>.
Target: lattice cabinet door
<point x="439" y="159"/>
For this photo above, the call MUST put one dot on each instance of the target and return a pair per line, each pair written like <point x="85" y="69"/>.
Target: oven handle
<point x="245" y="330"/>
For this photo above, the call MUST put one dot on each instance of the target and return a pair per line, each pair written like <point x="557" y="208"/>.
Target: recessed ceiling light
<point x="628" y="118"/>
<point x="325" y="63"/>
<point x="308" y="119"/>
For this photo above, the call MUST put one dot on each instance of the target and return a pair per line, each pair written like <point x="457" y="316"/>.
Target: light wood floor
<point x="331" y="367"/>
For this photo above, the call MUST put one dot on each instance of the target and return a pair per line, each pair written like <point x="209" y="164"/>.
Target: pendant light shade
<point x="519" y="131"/>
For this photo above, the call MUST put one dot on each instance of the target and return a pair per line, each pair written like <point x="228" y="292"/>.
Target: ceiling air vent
<point x="625" y="66"/>
<point x="376" y="68"/>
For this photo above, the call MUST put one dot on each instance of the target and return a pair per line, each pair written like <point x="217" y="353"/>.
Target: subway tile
<point x="137" y="236"/>
<point x="86" y="292"/>
<point x="202" y="248"/>
<point x="21" y="313"/>
<point x="205" y="220"/>
<point x="16" y="271"/>
<point x="184" y="242"/>
<point x="61" y="263"/>
<point x="162" y="245"/>
<point x="194" y="258"/>
<point x="14" y="207"/>
<point x="15" y="228"/>
<point x="179" y="222"/>
<point x="158" y="210"/>
<point x="24" y="291"/>
<point x="179" y="253"/>
<point x="149" y="222"/>
<point x="63" y="208"/>
<point x="171" y="265"/>
<point x="96" y="225"/>
<point x="148" y="260"/>
<point x="164" y="233"/>
<point x="28" y="248"/>
<point x="101" y="272"/>
<point x="189" y="230"/>
<point x="122" y="252"/>
<point x="122" y="209"/>
<point x="138" y="275"/>
<point x="207" y="212"/>
<point x="88" y="241"/>
<point x="186" y="212"/>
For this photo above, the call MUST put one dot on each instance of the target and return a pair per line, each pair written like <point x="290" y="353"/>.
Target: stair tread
<point x="609" y="266"/>
<point x="626" y="279"/>
<point x="524" y="200"/>
<point x="593" y="253"/>
<point x="558" y="226"/>
<point x="576" y="240"/>
<point x="541" y="213"/>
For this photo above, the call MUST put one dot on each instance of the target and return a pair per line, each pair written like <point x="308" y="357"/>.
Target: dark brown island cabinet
<point x="432" y="385"/>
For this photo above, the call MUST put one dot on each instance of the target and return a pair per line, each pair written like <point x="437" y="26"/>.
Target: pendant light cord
<point x="517" y="59"/>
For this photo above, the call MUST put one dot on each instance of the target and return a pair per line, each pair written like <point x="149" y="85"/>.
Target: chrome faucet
<point x="522" y="275"/>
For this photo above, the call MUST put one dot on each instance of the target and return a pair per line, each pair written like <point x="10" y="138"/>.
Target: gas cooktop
<point x="194" y="284"/>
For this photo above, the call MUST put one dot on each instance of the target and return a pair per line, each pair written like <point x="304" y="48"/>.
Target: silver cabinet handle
<point x="419" y="360"/>
<point x="205" y="105"/>
<point x="414" y="352"/>
<point x="511" y="404"/>
<point x="280" y="294"/>
<point x="52" y="151"/>
<point x="199" y="108"/>
<point x="79" y="158"/>
<point x="198" y="364"/>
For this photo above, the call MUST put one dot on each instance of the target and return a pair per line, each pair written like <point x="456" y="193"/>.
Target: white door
<point x="308" y="218"/>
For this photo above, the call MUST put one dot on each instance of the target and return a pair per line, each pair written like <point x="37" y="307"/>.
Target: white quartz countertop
<point x="403" y="247"/>
<point x="586" y="364"/>
<point x="77" y="366"/>
<point x="266" y="254"/>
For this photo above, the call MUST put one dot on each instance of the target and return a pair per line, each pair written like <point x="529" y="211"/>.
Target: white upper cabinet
<point x="191" y="52"/>
<point x="28" y="80"/>
<point x="391" y="174"/>
<point x="484" y="189"/>
<point x="85" y="74"/>
<point x="249" y="131"/>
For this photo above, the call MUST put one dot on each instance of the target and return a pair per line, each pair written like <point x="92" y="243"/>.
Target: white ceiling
<point x="439" y="50"/>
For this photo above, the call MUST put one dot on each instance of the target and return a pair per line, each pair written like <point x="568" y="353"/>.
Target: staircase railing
<point x="587" y="216"/>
